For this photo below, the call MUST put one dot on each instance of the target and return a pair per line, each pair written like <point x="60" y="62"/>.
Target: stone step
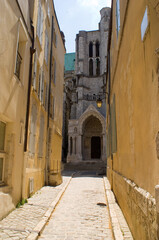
<point x="92" y="165"/>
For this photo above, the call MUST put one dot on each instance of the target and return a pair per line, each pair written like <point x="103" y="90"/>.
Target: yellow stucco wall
<point x="13" y="94"/>
<point x="44" y="170"/>
<point x="134" y="81"/>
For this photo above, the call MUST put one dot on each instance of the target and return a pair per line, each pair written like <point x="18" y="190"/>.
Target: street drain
<point x="101" y="204"/>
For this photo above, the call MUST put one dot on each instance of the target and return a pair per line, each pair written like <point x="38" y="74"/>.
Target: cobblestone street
<point x="83" y="207"/>
<point x="82" y="212"/>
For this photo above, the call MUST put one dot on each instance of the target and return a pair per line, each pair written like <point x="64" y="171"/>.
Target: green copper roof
<point x="69" y="62"/>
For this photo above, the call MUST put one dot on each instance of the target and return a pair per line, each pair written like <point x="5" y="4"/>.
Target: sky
<point x="76" y="15"/>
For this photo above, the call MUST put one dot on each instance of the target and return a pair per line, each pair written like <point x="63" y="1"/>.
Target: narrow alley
<point x="82" y="212"/>
<point x="82" y="207"/>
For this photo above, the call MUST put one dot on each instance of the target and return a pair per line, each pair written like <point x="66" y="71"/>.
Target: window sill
<point x="4" y="188"/>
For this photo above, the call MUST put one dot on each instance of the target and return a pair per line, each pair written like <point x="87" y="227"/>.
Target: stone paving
<point x="77" y="209"/>
<point x="82" y="212"/>
<point x="22" y="221"/>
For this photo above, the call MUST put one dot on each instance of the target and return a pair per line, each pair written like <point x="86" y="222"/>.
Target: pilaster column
<point x="74" y="143"/>
<point x="79" y="147"/>
<point x="104" y="148"/>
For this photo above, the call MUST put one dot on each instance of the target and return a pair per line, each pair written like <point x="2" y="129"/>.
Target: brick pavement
<point x="82" y="212"/>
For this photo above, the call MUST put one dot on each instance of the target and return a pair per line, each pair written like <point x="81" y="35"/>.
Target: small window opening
<point x="91" y="49"/>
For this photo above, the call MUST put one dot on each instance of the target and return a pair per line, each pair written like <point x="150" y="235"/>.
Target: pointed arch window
<point x="97" y="49"/>
<point x="91" y="67"/>
<point x="97" y="67"/>
<point x="91" y="49"/>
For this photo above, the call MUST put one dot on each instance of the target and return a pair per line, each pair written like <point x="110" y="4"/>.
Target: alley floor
<point x="83" y="207"/>
<point x="82" y="212"/>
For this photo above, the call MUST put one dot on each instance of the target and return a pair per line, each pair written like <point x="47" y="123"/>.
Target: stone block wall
<point x="138" y="206"/>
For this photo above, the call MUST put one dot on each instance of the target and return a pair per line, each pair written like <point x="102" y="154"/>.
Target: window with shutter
<point x="46" y="47"/>
<point x="40" y="22"/>
<point x="39" y="19"/>
<point x="34" y="71"/>
<point x="41" y="136"/>
<point x="46" y="96"/>
<point x="39" y="83"/>
<point x="33" y="123"/>
<point x="42" y="87"/>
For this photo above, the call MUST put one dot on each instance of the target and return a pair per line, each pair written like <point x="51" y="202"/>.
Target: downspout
<point x="48" y="110"/>
<point x="32" y="51"/>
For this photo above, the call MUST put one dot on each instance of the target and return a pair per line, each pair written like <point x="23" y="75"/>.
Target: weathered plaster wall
<point x="134" y="81"/>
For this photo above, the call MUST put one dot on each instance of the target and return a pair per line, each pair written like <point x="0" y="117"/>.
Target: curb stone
<point x="117" y="230"/>
<point x="40" y="226"/>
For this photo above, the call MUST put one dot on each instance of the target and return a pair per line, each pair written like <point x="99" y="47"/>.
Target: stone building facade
<point x="133" y="113"/>
<point x="31" y="99"/>
<point x="42" y="158"/>
<point x="15" y="44"/>
<point x="86" y="125"/>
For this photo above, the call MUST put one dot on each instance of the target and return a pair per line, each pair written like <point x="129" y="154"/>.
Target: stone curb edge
<point x="113" y="217"/>
<point x="40" y="226"/>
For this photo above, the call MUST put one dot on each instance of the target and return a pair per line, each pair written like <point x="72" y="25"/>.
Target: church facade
<point x="86" y="123"/>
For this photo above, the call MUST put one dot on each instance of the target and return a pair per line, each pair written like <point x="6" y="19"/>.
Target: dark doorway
<point x="95" y="147"/>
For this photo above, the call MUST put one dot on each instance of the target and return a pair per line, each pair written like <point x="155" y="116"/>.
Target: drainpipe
<point x="48" y="110"/>
<point x="32" y="51"/>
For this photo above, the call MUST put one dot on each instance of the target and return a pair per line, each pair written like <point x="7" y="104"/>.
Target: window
<point x="41" y="86"/>
<point x="97" y="49"/>
<point x="18" y="63"/>
<point x="46" y="97"/>
<point x="55" y="38"/>
<point x="33" y="124"/>
<point x="46" y="47"/>
<point x="39" y="83"/>
<point x="97" y="67"/>
<point x="2" y="146"/>
<point x="117" y="16"/>
<point x="52" y="107"/>
<point x="34" y="71"/>
<point x="41" y="136"/>
<point x="91" y="67"/>
<point x="91" y="49"/>
<point x="40" y="22"/>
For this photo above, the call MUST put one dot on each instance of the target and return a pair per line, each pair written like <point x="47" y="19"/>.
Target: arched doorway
<point x="92" y="141"/>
